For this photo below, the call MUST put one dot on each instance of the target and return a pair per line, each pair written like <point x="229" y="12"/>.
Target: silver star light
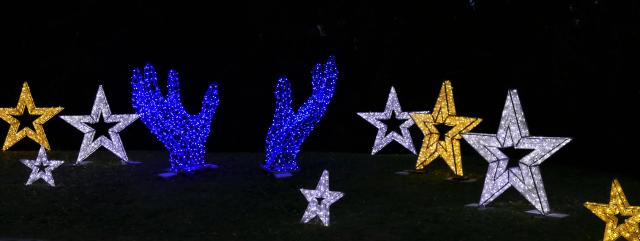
<point x="526" y="177"/>
<point x="112" y="143"/>
<point x="319" y="200"/>
<point x="41" y="162"/>
<point x="382" y="138"/>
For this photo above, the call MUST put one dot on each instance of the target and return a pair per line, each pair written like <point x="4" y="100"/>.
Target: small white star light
<point x="525" y="176"/>
<point x="41" y="168"/>
<point x="392" y="110"/>
<point x="101" y="112"/>
<point x="319" y="200"/>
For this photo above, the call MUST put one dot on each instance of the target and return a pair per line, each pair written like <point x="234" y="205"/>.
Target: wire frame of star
<point x="183" y="134"/>
<point x="526" y="178"/>
<point x="25" y="102"/>
<point x="320" y="208"/>
<point x="618" y="205"/>
<point x="41" y="161"/>
<point x="290" y="128"/>
<point x="90" y="143"/>
<point x="382" y="138"/>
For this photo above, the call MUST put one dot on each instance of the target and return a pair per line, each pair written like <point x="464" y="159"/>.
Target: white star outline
<point x="89" y="144"/>
<point x="35" y="170"/>
<point x="321" y="210"/>
<point x="382" y="139"/>
<point x="526" y="178"/>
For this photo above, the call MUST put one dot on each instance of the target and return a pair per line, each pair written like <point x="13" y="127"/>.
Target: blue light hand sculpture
<point x="184" y="135"/>
<point x="290" y="128"/>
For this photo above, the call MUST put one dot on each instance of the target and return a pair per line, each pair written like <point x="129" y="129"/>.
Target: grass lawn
<point x="239" y="201"/>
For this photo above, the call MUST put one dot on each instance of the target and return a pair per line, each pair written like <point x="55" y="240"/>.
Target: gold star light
<point x="445" y="145"/>
<point x="618" y="205"/>
<point x="37" y="133"/>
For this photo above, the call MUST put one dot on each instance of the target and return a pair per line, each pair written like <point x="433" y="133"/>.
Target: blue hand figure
<point x="290" y="128"/>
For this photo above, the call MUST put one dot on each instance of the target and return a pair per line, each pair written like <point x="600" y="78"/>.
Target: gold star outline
<point x="37" y="134"/>
<point x="618" y="205"/>
<point x="447" y="147"/>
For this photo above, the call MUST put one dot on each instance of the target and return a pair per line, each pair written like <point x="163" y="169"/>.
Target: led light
<point x="183" y="134"/>
<point x="37" y="134"/>
<point x="445" y="145"/>
<point x="382" y="138"/>
<point x="320" y="208"/>
<point x="290" y="128"/>
<point x="526" y="177"/>
<point x="41" y="162"/>
<point x="618" y="205"/>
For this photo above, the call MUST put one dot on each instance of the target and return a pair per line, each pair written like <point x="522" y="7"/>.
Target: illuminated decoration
<point x="392" y="109"/>
<point x="37" y="166"/>
<point x="525" y="177"/>
<point x="290" y="128"/>
<point x="618" y="205"/>
<point x="183" y="134"/>
<point x="100" y="111"/>
<point x="319" y="200"/>
<point x="445" y="145"/>
<point x="25" y="102"/>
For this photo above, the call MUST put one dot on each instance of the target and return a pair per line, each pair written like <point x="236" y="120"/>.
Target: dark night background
<point x="573" y="62"/>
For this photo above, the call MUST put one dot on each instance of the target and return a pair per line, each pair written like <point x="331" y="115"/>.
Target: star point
<point x="101" y="111"/>
<point x="618" y="205"/>
<point x="526" y="177"/>
<point x="445" y="145"/>
<point x="37" y="173"/>
<point x="26" y="105"/>
<point x="384" y="137"/>
<point x="319" y="200"/>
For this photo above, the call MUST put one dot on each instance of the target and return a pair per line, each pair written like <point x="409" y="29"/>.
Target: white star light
<point x="320" y="207"/>
<point x="382" y="138"/>
<point x="526" y="178"/>
<point x="91" y="144"/>
<point x="41" y="161"/>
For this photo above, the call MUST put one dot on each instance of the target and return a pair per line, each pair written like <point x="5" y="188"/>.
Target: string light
<point x="36" y="134"/>
<point x="89" y="143"/>
<point x="618" y="205"/>
<point x="183" y="134"/>
<point x="526" y="177"/>
<point x="445" y="145"/>
<point x="320" y="208"/>
<point x="41" y="162"/>
<point x="290" y="128"/>
<point x="392" y="109"/>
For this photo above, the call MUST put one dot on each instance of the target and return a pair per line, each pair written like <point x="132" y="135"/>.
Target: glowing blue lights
<point x="183" y="134"/>
<point x="290" y="128"/>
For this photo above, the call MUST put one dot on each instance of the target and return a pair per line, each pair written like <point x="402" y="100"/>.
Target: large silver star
<point x="112" y="143"/>
<point x="526" y="177"/>
<point x="39" y="163"/>
<point x="316" y="207"/>
<point x="382" y="138"/>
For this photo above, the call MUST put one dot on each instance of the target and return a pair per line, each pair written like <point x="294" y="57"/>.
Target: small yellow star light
<point x="618" y="205"/>
<point x="37" y="134"/>
<point x="446" y="146"/>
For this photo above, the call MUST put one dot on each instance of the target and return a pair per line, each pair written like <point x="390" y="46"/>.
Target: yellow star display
<point x="446" y="146"/>
<point x="26" y="102"/>
<point x="618" y="205"/>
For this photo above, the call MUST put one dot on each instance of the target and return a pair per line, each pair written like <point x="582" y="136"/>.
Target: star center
<point x="514" y="155"/>
<point x="393" y="124"/>
<point x="26" y="120"/>
<point x="41" y="167"/>
<point x="442" y="129"/>
<point x="621" y="218"/>
<point x="101" y="128"/>
<point x="319" y="199"/>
